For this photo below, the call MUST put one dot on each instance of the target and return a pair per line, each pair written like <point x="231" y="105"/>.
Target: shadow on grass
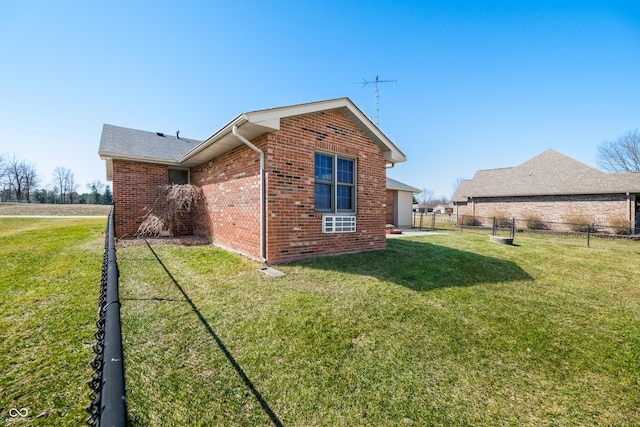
<point x="423" y="266"/>
<point x="263" y="403"/>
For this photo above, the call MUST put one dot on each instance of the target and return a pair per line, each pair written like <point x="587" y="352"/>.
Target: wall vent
<point x="338" y="224"/>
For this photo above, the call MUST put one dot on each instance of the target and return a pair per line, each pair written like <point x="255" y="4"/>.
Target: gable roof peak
<point x="255" y="123"/>
<point x="551" y="161"/>
<point x="549" y="173"/>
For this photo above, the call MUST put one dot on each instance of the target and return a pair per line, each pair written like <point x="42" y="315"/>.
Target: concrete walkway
<point x="411" y="232"/>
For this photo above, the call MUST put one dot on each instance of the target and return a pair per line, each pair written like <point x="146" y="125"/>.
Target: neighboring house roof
<point x="392" y="184"/>
<point x="549" y="173"/>
<point x="129" y="144"/>
<point x="441" y="206"/>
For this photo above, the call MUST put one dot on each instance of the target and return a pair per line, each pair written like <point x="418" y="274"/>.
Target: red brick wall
<point x="390" y="207"/>
<point x="294" y="230"/>
<point x="133" y="185"/>
<point x="134" y="190"/>
<point x="231" y="186"/>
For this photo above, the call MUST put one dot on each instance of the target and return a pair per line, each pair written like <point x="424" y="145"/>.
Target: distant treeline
<point x="21" y="182"/>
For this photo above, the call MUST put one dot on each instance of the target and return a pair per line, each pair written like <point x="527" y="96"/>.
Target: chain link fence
<point x="576" y="227"/>
<point x="108" y="405"/>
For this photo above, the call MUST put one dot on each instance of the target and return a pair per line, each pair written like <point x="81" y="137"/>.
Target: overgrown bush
<point x="502" y="220"/>
<point x="534" y="222"/>
<point x="578" y="222"/>
<point x="170" y="201"/>
<point x="620" y="225"/>
<point x="469" y="221"/>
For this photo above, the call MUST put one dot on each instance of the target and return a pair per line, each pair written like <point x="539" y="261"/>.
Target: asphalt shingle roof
<point x="143" y="144"/>
<point x="392" y="184"/>
<point x="549" y="173"/>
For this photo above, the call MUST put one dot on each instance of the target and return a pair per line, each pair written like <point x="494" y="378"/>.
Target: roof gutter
<point x="245" y="141"/>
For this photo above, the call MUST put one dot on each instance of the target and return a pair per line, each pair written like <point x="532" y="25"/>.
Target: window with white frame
<point x="335" y="189"/>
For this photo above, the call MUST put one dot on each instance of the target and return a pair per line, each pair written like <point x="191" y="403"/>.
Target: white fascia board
<point x="105" y="155"/>
<point x="405" y="189"/>
<point x="109" y="157"/>
<point x="269" y="121"/>
<point x="109" y="167"/>
<point x="271" y="115"/>
<point x="394" y="156"/>
<point x="391" y="153"/>
<point x="226" y="129"/>
<point x="220" y="141"/>
<point x="264" y="119"/>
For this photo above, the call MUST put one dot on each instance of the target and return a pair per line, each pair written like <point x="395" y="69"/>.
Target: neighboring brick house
<point x="281" y="184"/>
<point x="400" y="203"/>
<point x="553" y="187"/>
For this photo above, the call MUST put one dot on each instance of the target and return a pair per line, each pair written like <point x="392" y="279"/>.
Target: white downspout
<point x="245" y="141"/>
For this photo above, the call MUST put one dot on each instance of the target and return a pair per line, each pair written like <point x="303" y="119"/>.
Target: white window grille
<point x="338" y="224"/>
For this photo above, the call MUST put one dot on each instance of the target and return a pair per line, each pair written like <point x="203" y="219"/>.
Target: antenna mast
<point x="375" y="82"/>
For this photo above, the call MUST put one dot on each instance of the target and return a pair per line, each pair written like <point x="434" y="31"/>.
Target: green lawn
<point x="49" y="286"/>
<point x="436" y="330"/>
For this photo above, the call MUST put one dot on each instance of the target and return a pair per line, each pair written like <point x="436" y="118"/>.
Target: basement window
<point x="178" y="176"/>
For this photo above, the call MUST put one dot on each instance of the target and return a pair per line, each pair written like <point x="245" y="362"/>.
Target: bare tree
<point x="64" y="181"/>
<point x="2" y="167"/>
<point x="70" y="184"/>
<point x="15" y="181"/>
<point x="456" y="183"/>
<point x="59" y="179"/>
<point x="3" y="183"/>
<point x="21" y="177"/>
<point x="425" y="199"/>
<point x="31" y="180"/>
<point x="170" y="200"/>
<point x="621" y="155"/>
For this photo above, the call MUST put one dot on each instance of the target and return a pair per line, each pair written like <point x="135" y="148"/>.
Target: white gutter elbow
<point x="248" y="143"/>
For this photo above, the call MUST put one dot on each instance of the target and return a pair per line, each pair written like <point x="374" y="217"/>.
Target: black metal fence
<point x="503" y="226"/>
<point x="108" y="405"/>
<point x="578" y="226"/>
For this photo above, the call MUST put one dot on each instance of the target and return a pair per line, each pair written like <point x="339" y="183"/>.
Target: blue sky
<point x="479" y="84"/>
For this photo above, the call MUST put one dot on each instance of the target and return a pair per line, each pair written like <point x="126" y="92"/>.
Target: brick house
<point x="281" y="184"/>
<point x="553" y="187"/>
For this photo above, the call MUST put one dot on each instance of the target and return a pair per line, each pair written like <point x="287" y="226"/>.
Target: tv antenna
<point x="375" y="82"/>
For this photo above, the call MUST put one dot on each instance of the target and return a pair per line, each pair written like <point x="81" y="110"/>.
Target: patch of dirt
<point x="180" y="240"/>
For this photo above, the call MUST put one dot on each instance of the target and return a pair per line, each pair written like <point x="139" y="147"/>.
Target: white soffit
<point x="223" y="141"/>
